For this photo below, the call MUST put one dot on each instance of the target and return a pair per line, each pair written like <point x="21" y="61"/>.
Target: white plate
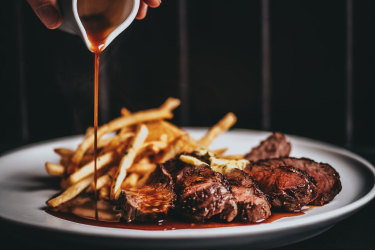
<point x="23" y="192"/>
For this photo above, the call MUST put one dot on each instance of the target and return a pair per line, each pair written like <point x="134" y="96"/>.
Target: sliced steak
<point x="288" y="188"/>
<point x="274" y="146"/>
<point x="327" y="179"/>
<point x="151" y="202"/>
<point x="202" y="193"/>
<point x="252" y="204"/>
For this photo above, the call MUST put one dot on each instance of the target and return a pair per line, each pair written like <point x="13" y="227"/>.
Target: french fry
<point x="55" y="169"/>
<point x="182" y="144"/>
<point x="70" y="193"/>
<point x="102" y="181"/>
<point x="117" y="141"/>
<point x="125" y="111"/>
<point x="142" y="181"/>
<point x="105" y="180"/>
<point x="159" y="127"/>
<point x="129" y="129"/>
<point x="105" y="141"/>
<point x="89" y="131"/>
<point x="142" y="167"/>
<point x="86" y="159"/>
<point x="219" y="151"/>
<point x="163" y="112"/>
<point x="88" y="169"/>
<point x="130" y="181"/>
<point x="170" y="104"/>
<point x="128" y="159"/>
<point x="223" y="125"/>
<point x="64" y="161"/>
<point x="64" y="152"/>
<point x="90" y="189"/>
<point x="72" y="167"/>
<point x="154" y="146"/>
<point x="173" y="149"/>
<point x="104" y="193"/>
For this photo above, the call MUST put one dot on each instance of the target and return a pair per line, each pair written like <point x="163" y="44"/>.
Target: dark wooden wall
<point x="301" y="67"/>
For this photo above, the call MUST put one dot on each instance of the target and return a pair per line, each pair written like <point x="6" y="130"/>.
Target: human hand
<point x="144" y="6"/>
<point x="49" y="13"/>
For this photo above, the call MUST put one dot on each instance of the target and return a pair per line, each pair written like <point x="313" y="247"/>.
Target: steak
<point x="252" y="204"/>
<point x="202" y="194"/>
<point x="151" y="202"/>
<point x="327" y="179"/>
<point x="287" y="187"/>
<point x="274" y="146"/>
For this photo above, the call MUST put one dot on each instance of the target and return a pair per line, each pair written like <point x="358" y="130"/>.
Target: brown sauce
<point x="81" y="211"/>
<point x="96" y="95"/>
<point x="167" y="224"/>
<point x="100" y="18"/>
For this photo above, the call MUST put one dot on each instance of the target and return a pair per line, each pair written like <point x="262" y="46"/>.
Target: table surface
<point x="355" y="232"/>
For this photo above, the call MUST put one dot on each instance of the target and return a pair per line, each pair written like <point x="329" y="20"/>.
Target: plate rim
<point x="327" y="216"/>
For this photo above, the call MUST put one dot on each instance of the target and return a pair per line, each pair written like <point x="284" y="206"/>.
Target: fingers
<point x="153" y="3"/>
<point x="142" y="11"/>
<point x="144" y="6"/>
<point x="47" y="11"/>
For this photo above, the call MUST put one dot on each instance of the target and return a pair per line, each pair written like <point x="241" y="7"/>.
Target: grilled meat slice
<point x="288" y="188"/>
<point x="151" y="202"/>
<point x="274" y="146"/>
<point x="202" y="193"/>
<point x="327" y="179"/>
<point x="148" y="203"/>
<point x="252" y="204"/>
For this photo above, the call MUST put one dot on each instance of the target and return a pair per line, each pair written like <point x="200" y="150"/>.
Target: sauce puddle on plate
<point x="105" y="215"/>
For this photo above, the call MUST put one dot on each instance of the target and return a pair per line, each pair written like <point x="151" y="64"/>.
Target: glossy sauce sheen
<point x="96" y="96"/>
<point x="168" y="224"/>
<point x="100" y="18"/>
<point x="81" y="211"/>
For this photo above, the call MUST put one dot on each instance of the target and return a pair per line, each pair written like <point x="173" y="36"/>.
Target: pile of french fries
<point x="129" y="149"/>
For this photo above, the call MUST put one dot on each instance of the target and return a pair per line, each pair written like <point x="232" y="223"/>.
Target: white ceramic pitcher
<point x="72" y="22"/>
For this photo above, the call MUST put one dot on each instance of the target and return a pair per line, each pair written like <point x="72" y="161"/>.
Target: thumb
<point x="48" y="12"/>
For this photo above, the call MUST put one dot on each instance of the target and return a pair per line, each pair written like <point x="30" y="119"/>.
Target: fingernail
<point x="49" y="16"/>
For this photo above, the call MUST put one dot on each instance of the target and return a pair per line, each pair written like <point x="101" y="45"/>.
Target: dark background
<point x="318" y="81"/>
